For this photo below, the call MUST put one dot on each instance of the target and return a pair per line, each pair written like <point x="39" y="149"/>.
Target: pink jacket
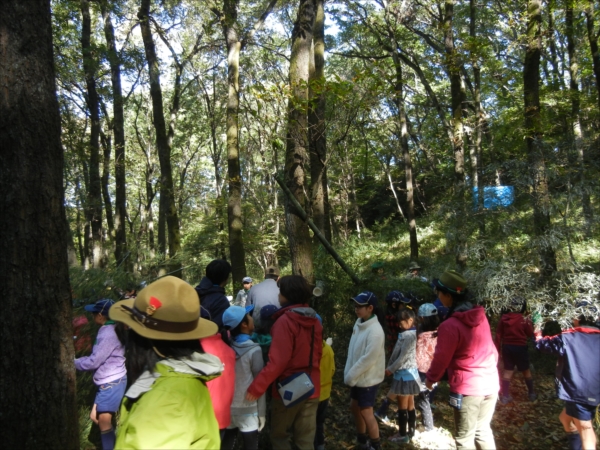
<point x="426" y="343"/>
<point x="466" y="349"/>
<point x="221" y="388"/>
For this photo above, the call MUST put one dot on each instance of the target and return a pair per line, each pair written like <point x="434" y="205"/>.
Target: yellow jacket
<point x="327" y="367"/>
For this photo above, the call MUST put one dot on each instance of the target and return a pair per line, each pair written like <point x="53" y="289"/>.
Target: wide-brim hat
<point x="168" y="309"/>
<point x="451" y="281"/>
<point x="272" y="270"/>
<point x="414" y="266"/>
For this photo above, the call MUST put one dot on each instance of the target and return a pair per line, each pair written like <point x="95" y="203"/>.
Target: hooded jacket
<point x="365" y="365"/>
<point x="107" y="358"/>
<point x="295" y="328"/>
<point x="213" y="299"/>
<point x="513" y="329"/>
<point x="170" y="407"/>
<point x="465" y="348"/>
<point x="248" y="364"/>
<point x="578" y="369"/>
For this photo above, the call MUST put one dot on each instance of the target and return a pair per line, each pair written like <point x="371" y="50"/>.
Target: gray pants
<point x="473" y="422"/>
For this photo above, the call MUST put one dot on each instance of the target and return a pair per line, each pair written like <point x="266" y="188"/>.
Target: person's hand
<point x="429" y="385"/>
<point x="250" y="397"/>
<point x="261" y="423"/>
<point x="387" y="373"/>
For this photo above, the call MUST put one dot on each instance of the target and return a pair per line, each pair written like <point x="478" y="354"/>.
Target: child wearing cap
<point x="511" y="341"/>
<point x="327" y="368"/>
<point x="429" y="322"/>
<point x="262" y="334"/>
<point x="577" y="375"/>
<point x="365" y="368"/>
<point x="242" y="295"/>
<point x="247" y="417"/>
<point x="168" y="404"/>
<point x="108" y="360"/>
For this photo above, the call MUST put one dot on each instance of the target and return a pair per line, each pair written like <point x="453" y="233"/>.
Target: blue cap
<point x="234" y="315"/>
<point x="365" y="298"/>
<point x="267" y="311"/>
<point x="100" y="307"/>
<point x="397" y="296"/>
<point x="246" y="280"/>
<point x="427" y="310"/>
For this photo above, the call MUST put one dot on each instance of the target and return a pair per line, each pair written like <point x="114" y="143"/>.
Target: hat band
<point x="449" y="288"/>
<point x="160" y="325"/>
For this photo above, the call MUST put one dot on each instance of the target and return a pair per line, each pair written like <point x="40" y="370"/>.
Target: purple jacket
<point x="107" y="358"/>
<point x="578" y="368"/>
<point x="465" y="347"/>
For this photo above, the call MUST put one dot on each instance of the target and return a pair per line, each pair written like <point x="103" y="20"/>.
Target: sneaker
<point x="532" y="397"/>
<point x="505" y="400"/>
<point x="397" y="439"/>
<point x="383" y="419"/>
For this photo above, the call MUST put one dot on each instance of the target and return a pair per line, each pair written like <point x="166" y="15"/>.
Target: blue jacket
<point x="213" y="299"/>
<point x="578" y="367"/>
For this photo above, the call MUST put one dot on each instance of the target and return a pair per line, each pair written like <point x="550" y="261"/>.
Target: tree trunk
<point x="593" y="41"/>
<point x="118" y="127"/>
<point x="575" y="118"/>
<point x="316" y="127"/>
<point x="167" y="196"/>
<point x="457" y="92"/>
<point x="94" y="193"/>
<point x="38" y="377"/>
<point x="402" y="122"/>
<point x="297" y="141"/>
<point x="237" y="252"/>
<point x="107" y="150"/>
<point x="534" y="139"/>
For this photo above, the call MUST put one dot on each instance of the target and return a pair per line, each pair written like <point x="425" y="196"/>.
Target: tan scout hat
<point x="168" y="309"/>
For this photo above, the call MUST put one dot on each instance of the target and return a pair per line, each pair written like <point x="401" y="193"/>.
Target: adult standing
<point x="264" y="293"/>
<point x="211" y="290"/>
<point x="465" y="348"/>
<point x="296" y="347"/>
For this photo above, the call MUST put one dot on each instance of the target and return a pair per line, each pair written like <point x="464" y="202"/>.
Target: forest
<point x="338" y="140"/>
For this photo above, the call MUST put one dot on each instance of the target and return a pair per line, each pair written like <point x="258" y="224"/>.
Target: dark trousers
<point x="321" y="415"/>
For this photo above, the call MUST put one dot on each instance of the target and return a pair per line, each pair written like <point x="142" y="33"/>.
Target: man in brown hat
<point x="264" y="293"/>
<point x="414" y="272"/>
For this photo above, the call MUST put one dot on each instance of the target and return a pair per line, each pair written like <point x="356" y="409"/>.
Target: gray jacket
<point x="248" y="363"/>
<point x="263" y="294"/>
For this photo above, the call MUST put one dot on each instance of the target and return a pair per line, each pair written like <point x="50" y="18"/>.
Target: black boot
<point x="412" y="422"/>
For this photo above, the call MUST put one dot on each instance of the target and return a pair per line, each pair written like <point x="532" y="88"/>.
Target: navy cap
<point x="100" y="307"/>
<point x="365" y="298"/>
<point x="267" y="311"/>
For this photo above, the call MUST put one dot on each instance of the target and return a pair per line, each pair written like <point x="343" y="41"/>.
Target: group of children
<point x="411" y="342"/>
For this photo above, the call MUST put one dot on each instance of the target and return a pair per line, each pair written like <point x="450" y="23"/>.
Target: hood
<point x="202" y="365"/>
<point x="472" y="317"/>
<point x="513" y="318"/>
<point x="244" y="347"/>
<point x="207" y="287"/>
<point x="303" y="314"/>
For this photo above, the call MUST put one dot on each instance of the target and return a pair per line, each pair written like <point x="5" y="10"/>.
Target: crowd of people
<point x="187" y="368"/>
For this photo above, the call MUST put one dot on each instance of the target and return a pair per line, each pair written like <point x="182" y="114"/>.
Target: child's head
<point x="428" y="316"/>
<point x="294" y="290"/>
<point x="406" y="318"/>
<point x="218" y="271"/>
<point x="238" y="320"/>
<point x="266" y="318"/>
<point x="100" y="310"/>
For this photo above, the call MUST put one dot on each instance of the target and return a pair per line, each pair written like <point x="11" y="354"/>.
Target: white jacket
<point x="365" y="365"/>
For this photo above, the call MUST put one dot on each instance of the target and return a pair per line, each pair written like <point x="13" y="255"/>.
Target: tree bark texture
<point x="237" y="252"/>
<point x="297" y="141"/>
<point x="118" y="128"/>
<point x="106" y="151"/>
<point x="37" y="378"/>
<point x="94" y="193"/>
<point x="534" y="139"/>
<point x="402" y="122"/>
<point x="316" y="127"/>
<point x="593" y="41"/>
<point x="167" y="196"/>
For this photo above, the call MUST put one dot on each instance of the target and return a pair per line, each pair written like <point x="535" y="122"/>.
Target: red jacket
<point x="292" y="333"/>
<point x="221" y="388"/>
<point x="513" y="329"/>
<point x="465" y="348"/>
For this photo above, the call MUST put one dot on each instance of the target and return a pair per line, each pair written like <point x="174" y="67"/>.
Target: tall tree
<point x="316" y="127"/>
<point x="118" y="127"/>
<point x="592" y="35"/>
<point x="296" y="154"/>
<point x="167" y="196"/>
<point x="534" y="139"/>
<point x="94" y="192"/>
<point x="35" y="326"/>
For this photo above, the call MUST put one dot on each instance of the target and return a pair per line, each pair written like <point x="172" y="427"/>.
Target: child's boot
<point x="375" y="444"/>
<point x="382" y="412"/>
<point x="401" y="437"/>
<point x="505" y="397"/>
<point x="412" y="423"/>
<point x="361" y="439"/>
<point x="532" y="394"/>
<point x="108" y="439"/>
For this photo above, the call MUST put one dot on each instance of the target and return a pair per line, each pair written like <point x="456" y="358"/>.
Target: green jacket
<point x="171" y="408"/>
